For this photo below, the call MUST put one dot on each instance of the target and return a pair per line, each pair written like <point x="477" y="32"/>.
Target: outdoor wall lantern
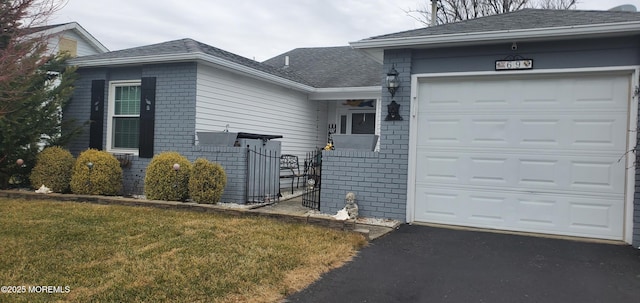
<point x="392" y="81"/>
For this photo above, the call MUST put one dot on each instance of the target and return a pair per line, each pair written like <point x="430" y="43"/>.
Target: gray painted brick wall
<point x="379" y="179"/>
<point x="174" y="124"/>
<point x="233" y="160"/>
<point x="76" y="113"/>
<point x="618" y="51"/>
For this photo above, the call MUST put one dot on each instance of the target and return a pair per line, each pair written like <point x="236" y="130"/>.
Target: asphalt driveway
<point x="426" y="264"/>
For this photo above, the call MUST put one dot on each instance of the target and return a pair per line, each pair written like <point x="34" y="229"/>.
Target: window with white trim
<point x="123" y="124"/>
<point x="358" y="122"/>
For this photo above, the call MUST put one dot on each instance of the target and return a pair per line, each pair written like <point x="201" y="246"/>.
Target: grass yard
<point x="135" y="254"/>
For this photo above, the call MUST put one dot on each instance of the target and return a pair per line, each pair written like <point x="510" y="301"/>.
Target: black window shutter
<point x="96" y="131"/>
<point x="147" y="116"/>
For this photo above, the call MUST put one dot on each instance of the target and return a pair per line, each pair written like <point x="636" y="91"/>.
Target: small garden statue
<point x="351" y="207"/>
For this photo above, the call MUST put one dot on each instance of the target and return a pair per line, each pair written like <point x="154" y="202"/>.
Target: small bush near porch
<point x="130" y="254"/>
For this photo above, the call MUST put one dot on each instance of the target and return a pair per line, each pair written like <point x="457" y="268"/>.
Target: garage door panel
<point x="443" y="131"/>
<point x="532" y="153"/>
<point x="602" y="131"/>
<point x="543" y="132"/>
<point x="487" y="208"/>
<point x="600" y="92"/>
<point x="488" y="131"/>
<point x="538" y="212"/>
<point x="539" y="172"/>
<point x="520" y="171"/>
<point x="553" y="214"/>
<point x="596" y="175"/>
<point x="439" y="205"/>
<point x="586" y="92"/>
<point x="598" y="132"/>
<point x="486" y="169"/>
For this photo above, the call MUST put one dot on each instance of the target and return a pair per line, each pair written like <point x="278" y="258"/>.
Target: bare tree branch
<point x="22" y="46"/>
<point x="457" y="10"/>
<point x="558" y="4"/>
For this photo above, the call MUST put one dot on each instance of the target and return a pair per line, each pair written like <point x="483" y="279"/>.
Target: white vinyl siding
<point x="252" y="106"/>
<point x="84" y="48"/>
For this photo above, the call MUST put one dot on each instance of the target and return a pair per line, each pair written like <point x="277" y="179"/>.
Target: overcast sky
<point x="257" y="29"/>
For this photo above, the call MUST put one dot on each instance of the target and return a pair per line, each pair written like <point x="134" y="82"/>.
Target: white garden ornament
<point x="43" y="190"/>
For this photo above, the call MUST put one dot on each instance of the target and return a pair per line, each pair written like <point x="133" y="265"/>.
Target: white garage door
<point x="536" y="153"/>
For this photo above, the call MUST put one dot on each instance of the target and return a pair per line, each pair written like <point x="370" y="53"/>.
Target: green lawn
<point x="137" y="254"/>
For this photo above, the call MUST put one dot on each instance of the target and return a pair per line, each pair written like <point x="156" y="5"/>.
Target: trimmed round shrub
<point x="53" y="169"/>
<point x="103" y="178"/>
<point x="163" y="182"/>
<point x="207" y="182"/>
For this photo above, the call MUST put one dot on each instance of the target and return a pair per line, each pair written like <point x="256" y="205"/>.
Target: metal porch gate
<point x="313" y="167"/>
<point x="262" y="178"/>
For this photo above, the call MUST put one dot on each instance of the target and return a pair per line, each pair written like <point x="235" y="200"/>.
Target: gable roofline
<point x="340" y="93"/>
<point x="189" y="50"/>
<point x="375" y="46"/>
<point x="74" y="26"/>
<point x="193" y="57"/>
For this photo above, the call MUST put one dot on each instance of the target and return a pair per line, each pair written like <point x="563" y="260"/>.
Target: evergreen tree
<point x="34" y="86"/>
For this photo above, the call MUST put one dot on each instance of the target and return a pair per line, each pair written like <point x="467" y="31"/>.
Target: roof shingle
<point x="326" y="67"/>
<point x="190" y="46"/>
<point x="519" y="20"/>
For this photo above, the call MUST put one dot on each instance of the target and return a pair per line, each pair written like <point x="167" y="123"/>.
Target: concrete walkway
<point x="294" y="207"/>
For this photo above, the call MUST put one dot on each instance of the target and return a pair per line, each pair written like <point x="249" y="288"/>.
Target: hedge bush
<point x="163" y="182"/>
<point x="104" y="178"/>
<point x="207" y="182"/>
<point x="53" y="169"/>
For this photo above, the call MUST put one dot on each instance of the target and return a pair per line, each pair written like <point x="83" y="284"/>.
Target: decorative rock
<point x="342" y="215"/>
<point x="43" y="190"/>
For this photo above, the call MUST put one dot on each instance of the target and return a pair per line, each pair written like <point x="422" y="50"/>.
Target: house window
<point x="363" y="123"/>
<point x="124" y="116"/>
<point x="358" y="122"/>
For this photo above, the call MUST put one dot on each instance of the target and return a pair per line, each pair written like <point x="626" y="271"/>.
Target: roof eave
<point x="345" y="93"/>
<point x="375" y="47"/>
<point x="194" y="57"/>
